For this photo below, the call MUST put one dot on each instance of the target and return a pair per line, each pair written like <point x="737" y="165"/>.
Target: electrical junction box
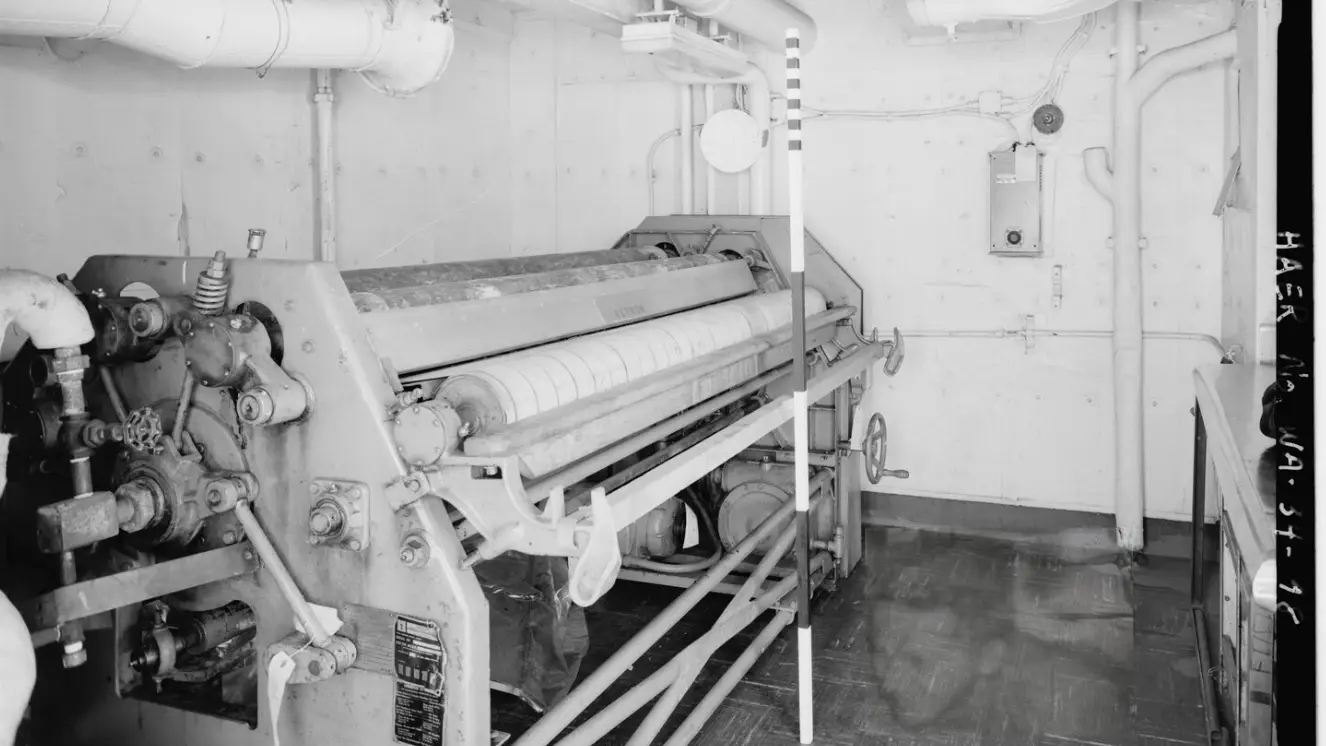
<point x="1015" y="201"/>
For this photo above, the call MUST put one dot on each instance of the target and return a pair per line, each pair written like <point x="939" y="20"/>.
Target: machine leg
<point x="463" y="618"/>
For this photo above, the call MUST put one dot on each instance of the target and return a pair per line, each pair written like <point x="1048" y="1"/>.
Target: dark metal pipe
<point x="1204" y="670"/>
<point x="1199" y="510"/>
<point x="537" y="491"/>
<point x="497" y="287"/>
<point x="392" y="278"/>
<point x="663" y="454"/>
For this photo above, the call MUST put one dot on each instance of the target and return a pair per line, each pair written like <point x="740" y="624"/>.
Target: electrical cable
<point x="676" y="568"/>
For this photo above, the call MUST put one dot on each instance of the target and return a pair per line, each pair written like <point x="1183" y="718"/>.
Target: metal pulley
<point x="874" y="445"/>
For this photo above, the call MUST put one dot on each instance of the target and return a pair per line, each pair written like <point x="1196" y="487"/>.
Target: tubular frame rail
<point x="675" y="678"/>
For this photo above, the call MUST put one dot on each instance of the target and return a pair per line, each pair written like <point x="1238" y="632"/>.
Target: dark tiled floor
<point x="941" y="640"/>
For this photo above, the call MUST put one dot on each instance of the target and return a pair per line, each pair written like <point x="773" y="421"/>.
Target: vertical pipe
<point x="800" y="407"/>
<point x="711" y="174"/>
<point x="687" y="129"/>
<point x="761" y="181"/>
<point x="323" y="99"/>
<point x="739" y="100"/>
<point x="1129" y="476"/>
<point x="73" y="416"/>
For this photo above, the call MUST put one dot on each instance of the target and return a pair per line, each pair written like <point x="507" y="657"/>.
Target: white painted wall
<point x="903" y="207"/>
<point x="116" y="152"/>
<point x="536" y="140"/>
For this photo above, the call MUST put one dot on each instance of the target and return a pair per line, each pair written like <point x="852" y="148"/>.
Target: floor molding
<point x="1020" y="523"/>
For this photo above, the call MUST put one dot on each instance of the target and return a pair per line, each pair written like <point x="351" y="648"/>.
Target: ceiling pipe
<point x="1133" y="86"/>
<point x="764" y="21"/>
<point x="398" y="46"/>
<point x="949" y="13"/>
<point x="43" y="309"/>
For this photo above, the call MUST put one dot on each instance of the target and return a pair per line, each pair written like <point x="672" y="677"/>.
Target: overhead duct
<point x="399" y="46"/>
<point x="764" y="21"/>
<point x="949" y="13"/>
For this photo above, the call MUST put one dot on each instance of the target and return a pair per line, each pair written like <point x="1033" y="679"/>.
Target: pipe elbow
<point x="1098" y="172"/>
<point x="1158" y="71"/>
<point x="415" y="50"/>
<point x="43" y="309"/>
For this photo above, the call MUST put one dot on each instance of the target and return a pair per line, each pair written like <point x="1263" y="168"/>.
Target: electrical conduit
<point x="1134" y="85"/>
<point x="761" y="186"/>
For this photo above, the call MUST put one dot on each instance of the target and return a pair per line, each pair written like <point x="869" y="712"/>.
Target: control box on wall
<point x="1015" y="201"/>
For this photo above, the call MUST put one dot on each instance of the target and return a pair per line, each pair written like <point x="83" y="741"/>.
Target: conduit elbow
<point x="1098" y="171"/>
<point x="415" y="51"/>
<point x="43" y="309"/>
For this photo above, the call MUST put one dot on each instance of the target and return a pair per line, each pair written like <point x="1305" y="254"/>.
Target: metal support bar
<point x="564" y="712"/>
<point x="608" y="457"/>
<point x="700" y="714"/>
<point x="778" y="455"/>
<point x="601" y="724"/>
<point x="284" y="581"/>
<point x="664" y="707"/>
<point x="101" y="595"/>
<point x="641" y="496"/>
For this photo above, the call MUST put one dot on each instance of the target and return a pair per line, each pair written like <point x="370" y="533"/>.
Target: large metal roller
<point x="514" y="387"/>
<point x="391" y="278"/>
<point x="489" y="288"/>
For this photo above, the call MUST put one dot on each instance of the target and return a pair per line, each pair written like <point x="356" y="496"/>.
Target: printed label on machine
<point x="419" y="662"/>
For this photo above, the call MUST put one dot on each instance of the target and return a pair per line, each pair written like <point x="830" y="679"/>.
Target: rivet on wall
<point x="198" y="157"/>
<point x="156" y="152"/>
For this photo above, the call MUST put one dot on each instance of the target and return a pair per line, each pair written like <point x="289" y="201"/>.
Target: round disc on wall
<point x="730" y="141"/>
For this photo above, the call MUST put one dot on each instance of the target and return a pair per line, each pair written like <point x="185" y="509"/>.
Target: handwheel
<point x="875" y="447"/>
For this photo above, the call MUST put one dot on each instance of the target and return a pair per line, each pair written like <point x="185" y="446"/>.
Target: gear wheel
<point x="142" y="430"/>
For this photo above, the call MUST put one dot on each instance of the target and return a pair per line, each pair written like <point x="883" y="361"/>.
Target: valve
<point x="142" y="431"/>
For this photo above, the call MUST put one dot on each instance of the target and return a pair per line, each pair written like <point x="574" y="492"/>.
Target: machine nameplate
<point x="622" y="307"/>
<point x="420" y="661"/>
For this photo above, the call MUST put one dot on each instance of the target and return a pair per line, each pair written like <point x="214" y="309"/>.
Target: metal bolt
<point x="356" y="492"/>
<point x="355" y="545"/>
<point x="414" y="552"/>
<point x="490" y="471"/>
<point x="248" y="555"/>
<point x="314" y="488"/>
<point x="237" y="323"/>
<point x="229" y="538"/>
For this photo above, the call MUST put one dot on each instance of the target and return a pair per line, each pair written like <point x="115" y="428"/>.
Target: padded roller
<point x="515" y="387"/>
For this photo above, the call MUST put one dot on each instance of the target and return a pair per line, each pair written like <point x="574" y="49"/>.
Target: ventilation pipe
<point x="43" y="309"/>
<point x="399" y="46"/>
<point x="1134" y="85"/>
<point x="949" y="13"/>
<point x="764" y="21"/>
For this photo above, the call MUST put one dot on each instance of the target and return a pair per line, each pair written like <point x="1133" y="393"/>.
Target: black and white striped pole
<point x="800" y="407"/>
